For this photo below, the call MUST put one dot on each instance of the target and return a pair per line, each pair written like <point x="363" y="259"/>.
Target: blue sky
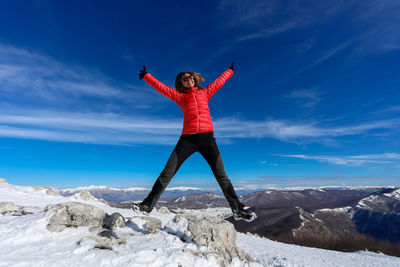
<point x="314" y="100"/>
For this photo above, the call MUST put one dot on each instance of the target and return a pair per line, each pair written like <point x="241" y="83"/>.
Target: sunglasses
<point x="186" y="78"/>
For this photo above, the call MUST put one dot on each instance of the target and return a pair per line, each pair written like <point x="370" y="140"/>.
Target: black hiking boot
<point x="244" y="214"/>
<point x="141" y="208"/>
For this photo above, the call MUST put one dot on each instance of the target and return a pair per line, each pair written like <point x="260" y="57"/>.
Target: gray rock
<point x="113" y="221"/>
<point x="107" y="233"/>
<point x="74" y="214"/>
<point x="152" y="225"/>
<point x="214" y="233"/>
<point x="176" y="225"/>
<point x="10" y="207"/>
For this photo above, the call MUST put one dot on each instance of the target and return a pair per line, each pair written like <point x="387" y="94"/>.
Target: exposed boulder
<point x="52" y="191"/>
<point x="113" y="221"/>
<point x="12" y="208"/>
<point x="215" y="233"/>
<point x="151" y="225"/>
<point x="107" y="233"/>
<point x="74" y="214"/>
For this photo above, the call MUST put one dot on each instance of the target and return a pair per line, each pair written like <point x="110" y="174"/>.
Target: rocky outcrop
<point x="52" y="191"/>
<point x="214" y="233"/>
<point x="151" y="225"/>
<point x="113" y="221"/>
<point x="12" y="208"/>
<point x="75" y="214"/>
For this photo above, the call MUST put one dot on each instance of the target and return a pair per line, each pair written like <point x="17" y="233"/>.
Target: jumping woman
<point x="197" y="136"/>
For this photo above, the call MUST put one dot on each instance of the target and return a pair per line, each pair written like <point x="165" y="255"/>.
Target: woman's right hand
<point x="142" y="72"/>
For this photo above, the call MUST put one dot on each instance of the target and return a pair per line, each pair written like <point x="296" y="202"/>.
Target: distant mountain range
<point x="322" y="213"/>
<point x="136" y="193"/>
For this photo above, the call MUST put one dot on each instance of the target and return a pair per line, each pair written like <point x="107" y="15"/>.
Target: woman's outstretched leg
<point x="211" y="154"/>
<point x="183" y="149"/>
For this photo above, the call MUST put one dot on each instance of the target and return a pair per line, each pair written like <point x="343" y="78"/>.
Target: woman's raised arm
<point x="159" y="86"/>
<point x="217" y="84"/>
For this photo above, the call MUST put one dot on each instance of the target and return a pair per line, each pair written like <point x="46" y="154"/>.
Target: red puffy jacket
<point x="193" y="102"/>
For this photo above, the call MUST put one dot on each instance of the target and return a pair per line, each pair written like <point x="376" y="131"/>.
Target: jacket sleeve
<point x="162" y="88"/>
<point x="215" y="85"/>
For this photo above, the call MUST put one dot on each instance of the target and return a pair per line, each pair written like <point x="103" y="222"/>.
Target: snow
<point x="25" y="241"/>
<point x="82" y="188"/>
<point x="272" y="253"/>
<point x="395" y="194"/>
<point x="336" y="210"/>
<point x="180" y="199"/>
<point x="363" y="203"/>
<point x="182" y="188"/>
<point x="129" y="189"/>
<point x="101" y="187"/>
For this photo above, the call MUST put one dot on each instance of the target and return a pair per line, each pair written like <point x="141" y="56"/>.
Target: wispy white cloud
<point x="109" y="128"/>
<point x="38" y="78"/>
<point x="356" y="160"/>
<point x="380" y="24"/>
<point x="253" y="21"/>
<point x="241" y="13"/>
<point x="296" y="132"/>
<point x="375" y="24"/>
<point x="90" y="128"/>
<point x="388" y="110"/>
<point x="306" y="97"/>
<point x="270" y="31"/>
<point x="327" y="54"/>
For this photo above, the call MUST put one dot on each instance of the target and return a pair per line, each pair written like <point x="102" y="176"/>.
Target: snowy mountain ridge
<point x="27" y="235"/>
<point x="128" y="189"/>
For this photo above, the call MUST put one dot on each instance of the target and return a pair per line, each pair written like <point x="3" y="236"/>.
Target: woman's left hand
<point x="232" y="65"/>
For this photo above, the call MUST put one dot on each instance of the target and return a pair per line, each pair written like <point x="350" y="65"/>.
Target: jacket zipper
<point x="198" y="115"/>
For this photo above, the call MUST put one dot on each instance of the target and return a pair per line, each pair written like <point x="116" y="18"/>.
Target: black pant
<point x="186" y="146"/>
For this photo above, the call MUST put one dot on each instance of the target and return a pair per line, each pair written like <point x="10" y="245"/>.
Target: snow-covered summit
<point x="27" y="235"/>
